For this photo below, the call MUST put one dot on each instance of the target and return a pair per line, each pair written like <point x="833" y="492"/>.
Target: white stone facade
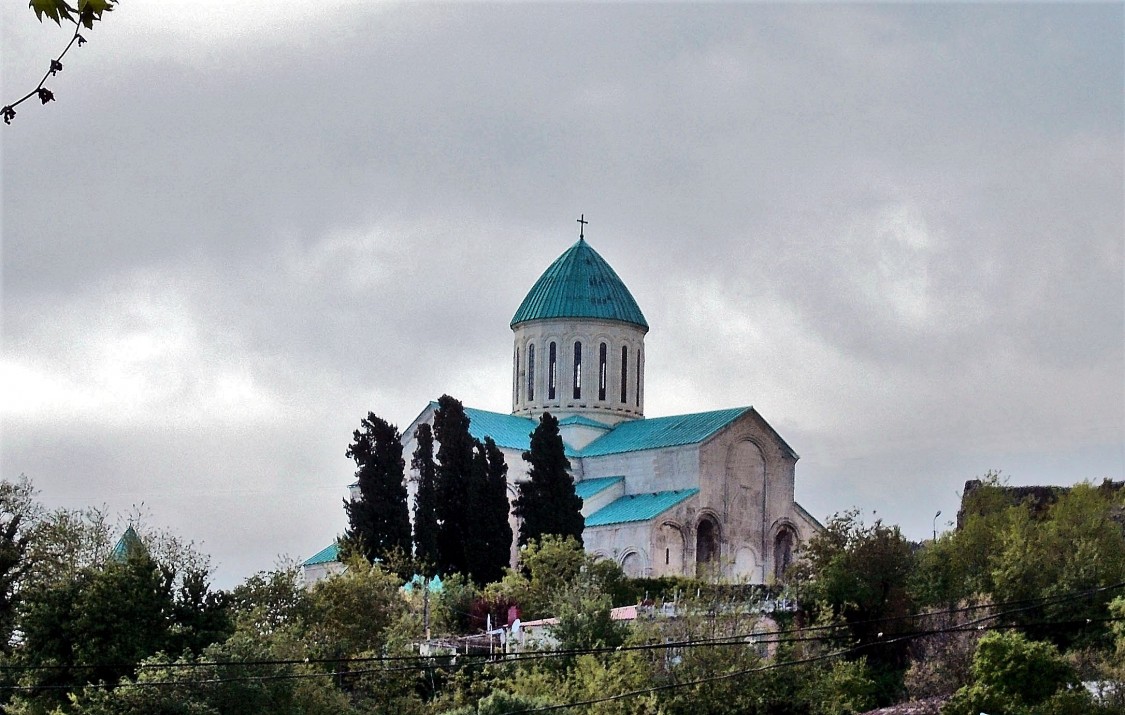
<point x="587" y="367"/>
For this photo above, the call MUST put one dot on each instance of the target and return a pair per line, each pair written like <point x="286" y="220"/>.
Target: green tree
<point x="1073" y="547"/>
<point x="860" y="574"/>
<point x="96" y="627"/>
<point x="490" y="535"/>
<point x="547" y="502"/>
<point x="379" y="520"/>
<point x="1016" y="676"/>
<point x="425" y="501"/>
<point x="18" y="511"/>
<point x="454" y="472"/>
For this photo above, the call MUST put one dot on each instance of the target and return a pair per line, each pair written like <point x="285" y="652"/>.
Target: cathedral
<point x="707" y="494"/>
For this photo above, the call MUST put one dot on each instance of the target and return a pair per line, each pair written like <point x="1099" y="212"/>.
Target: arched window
<point x="624" y="372"/>
<point x="552" y="359"/>
<point x="516" y="377"/>
<point x="531" y="372"/>
<point x="639" y="371"/>
<point x="783" y="546"/>
<point x="578" y="370"/>
<point x="706" y="546"/>
<point x="603" y="370"/>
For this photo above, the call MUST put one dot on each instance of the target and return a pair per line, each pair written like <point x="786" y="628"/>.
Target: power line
<point x="428" y="665"/>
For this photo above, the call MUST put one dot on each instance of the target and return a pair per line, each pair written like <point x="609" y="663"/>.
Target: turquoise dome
<point x="580" y="284"/>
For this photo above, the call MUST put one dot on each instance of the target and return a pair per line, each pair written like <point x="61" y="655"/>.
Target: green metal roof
<point x="638" y="507"/>
<point x="583" y="421"/>
<point x="580" y="284"/>
<point x="127" y="545"/>
<point x="505" y="430"/>
<point x="510" y="431"/>
<point x="589" y="487"/>
<point x="325" y="556"/>
<point x="657" y="432"/>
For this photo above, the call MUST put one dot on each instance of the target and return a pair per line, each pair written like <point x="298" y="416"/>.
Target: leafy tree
<point x="1017" y="676"/>
<point x="18" y="510"/>
<point x="547" y="502"/>
<point x="454" y="472"/>
<point x="553" y="571"/>
<point x="1075" y="546"/>
<point x="425" y="501"/>
<point x="379" y="521"/>
<point x="491" y="533"/>
<point x="111" y="617"/>
<point x="860" y="573"/>
<point x="1032" y="550"/>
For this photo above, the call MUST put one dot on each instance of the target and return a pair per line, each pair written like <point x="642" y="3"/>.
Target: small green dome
<point x="580" y="284"/>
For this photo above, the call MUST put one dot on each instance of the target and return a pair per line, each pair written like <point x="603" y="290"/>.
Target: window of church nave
<point x="531" y="372"/>
<point x="603" y="367"/>
<point x="706" y="545"/>
<point x="552" y="359"/>
<point x="578" y="370"/>
<point x="624" y="372"/>
<point x="783" y="546"/>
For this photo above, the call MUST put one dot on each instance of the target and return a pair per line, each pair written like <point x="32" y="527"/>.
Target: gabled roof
<point x="589" y="487"/>
<point x="657" y="432"/>
<point x="508" y="431"/>
<point x="580" y="284"/>
<point x="638" y="507"/>
<point x="325" y="556"/>
<point x="583" y="421"/>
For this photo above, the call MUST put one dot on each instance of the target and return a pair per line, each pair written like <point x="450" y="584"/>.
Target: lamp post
<point x="935" y="523"/>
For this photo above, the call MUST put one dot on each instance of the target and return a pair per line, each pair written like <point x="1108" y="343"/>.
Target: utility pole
<point x="426" y="608"/>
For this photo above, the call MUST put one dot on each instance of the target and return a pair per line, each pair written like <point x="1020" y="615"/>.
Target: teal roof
<point x="127" y="545"/>
<point x="435" y="585"/>
<point x="505" y="430"/>
<point x="583" y="421"/>
<point x="510" y="431"/>
<point x="589" y="487"/>
<point x="325" y="556"/>
<point x="638" y="507"/>
<point x="580" y="284"/>
<point x="657" y="432"/>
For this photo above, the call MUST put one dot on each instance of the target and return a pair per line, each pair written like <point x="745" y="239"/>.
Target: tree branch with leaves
<point x="84" y="16"/>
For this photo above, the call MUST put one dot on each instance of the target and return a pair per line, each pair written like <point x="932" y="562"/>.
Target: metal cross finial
<point x="582" y="226"/>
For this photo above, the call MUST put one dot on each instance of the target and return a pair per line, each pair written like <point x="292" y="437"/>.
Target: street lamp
<point x="935" y="523"/>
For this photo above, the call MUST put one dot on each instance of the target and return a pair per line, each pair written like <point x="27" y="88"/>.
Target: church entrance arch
<point x="783" y="546"/>
<point x="706" y="546"/>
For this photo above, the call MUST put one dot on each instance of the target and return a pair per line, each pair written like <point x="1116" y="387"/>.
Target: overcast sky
<point x="895" y="230"/>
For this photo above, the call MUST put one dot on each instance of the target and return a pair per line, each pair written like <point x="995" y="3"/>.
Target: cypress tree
<point x="378" y="521"/>
<point x="492" y="534"/>
<point x="425" y="501"/>
<point x="454" y="473"/>
<point x="547" y="502"/>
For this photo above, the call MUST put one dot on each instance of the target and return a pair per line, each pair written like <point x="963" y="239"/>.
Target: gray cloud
<point x="895" y="230"/>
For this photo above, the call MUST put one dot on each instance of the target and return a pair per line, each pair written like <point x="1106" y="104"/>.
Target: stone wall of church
<point x="652" y="470"/>
<point x="746" y="483"/>
<point x="628" y="545"/>
<point x="593" y="388"/>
